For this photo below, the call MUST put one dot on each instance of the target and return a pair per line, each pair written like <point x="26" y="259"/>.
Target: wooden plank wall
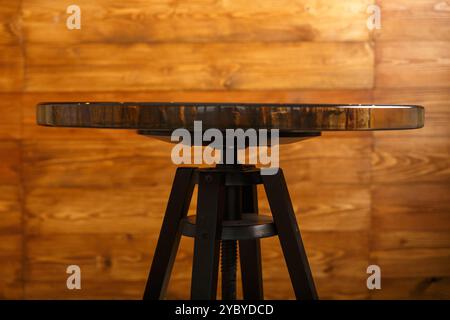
<point x="410" y="170"/>
<point x="95" y="198"/>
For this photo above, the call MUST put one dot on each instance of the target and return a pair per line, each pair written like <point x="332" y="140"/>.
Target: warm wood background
<point x="91" y="197"/>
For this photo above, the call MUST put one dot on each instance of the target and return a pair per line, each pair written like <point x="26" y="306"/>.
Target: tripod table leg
<point x="169" y="236"/>
<point x="250" y="251"/>
<point x="210" y="205"/>
<point x="289" y="235"/>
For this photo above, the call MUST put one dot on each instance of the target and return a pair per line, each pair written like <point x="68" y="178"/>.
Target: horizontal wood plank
<point x="10" y="28"/>
<point x="416" y="20"/>
<point x="11" y="116"/>
<point x="326" y="208"/>
<point x="213" y="66"/>
<point x="414" y="288"/>
<point x="407" y="240"/>
<point x="411" y="207"/>
<point x="138" y="160"/>
<point x="57" y="290"/>
<point x="95" y="210"/>
<point x="10" y="210"/>
<point x="330" y="254"/>
<point x="11" y="68"/>
<point x="402" y="159"/>
<point x="412" y="64"/>
<point x="122" y="261"/>
<point x="402" y="263"/>
<point x="329" y="159"/>
<point x="140" y="209"/>
<point x="10" y="164"/>
<point x="104" y="21"/>
<point x="408" y="254"/>
<point x="11" y="270"/>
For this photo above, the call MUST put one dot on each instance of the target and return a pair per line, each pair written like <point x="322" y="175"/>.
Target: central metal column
<point x="233" y="211"/>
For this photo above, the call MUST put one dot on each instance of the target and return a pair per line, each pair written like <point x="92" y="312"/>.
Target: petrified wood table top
<point x="165" y="116"/>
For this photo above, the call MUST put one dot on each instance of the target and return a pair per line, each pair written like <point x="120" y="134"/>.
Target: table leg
<point x="250" y="251"/>
<point x="210" y="205"/>
<point x="289" y="235"/>
<point x="169" y="236"/>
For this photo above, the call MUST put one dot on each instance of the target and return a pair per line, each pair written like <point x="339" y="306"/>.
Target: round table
<point x="161" y="117"/>
<point x="227" y="203"/>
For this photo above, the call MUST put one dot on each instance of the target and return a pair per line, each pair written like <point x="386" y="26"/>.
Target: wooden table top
<point x="166" y="116"/>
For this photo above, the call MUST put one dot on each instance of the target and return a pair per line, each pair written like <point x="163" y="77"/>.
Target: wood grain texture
<point x="104" y="259"/>
<point x="11" y="116"/>
<point x="10" y="210"/>
<point x="107" y="21"/>
<point x="413" y="64"/>
<point x="29" y="101"/>
<point x="73" y="210"/>
<point x="410" y="215"/>
<point x="414" y="288"/>
<point x="411" y="160"/>
<point x="11" y="68"/>
<point x="77" y="160"/>
<point x="411" y="207"/>
<point x="399" y="263"/>
<point x="403" y="254"/>
<point x="417" y="20"/>
<point x="10" y="154"/>
<point x="411" y="240"/>
<point x="220" y="66"/>
<point x="10" y="28"/>
<point x="121" y="261"/>
<point x="165" y="117"/>
<point x="88" y="196"/>
<point x="11" y="241"/>
<point x="11" y="266"/>
<point x="437" y="115"/>
<point x="318" y="160"/>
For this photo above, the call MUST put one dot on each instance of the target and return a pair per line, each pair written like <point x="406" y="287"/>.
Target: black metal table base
<point x="227" y="219"/>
